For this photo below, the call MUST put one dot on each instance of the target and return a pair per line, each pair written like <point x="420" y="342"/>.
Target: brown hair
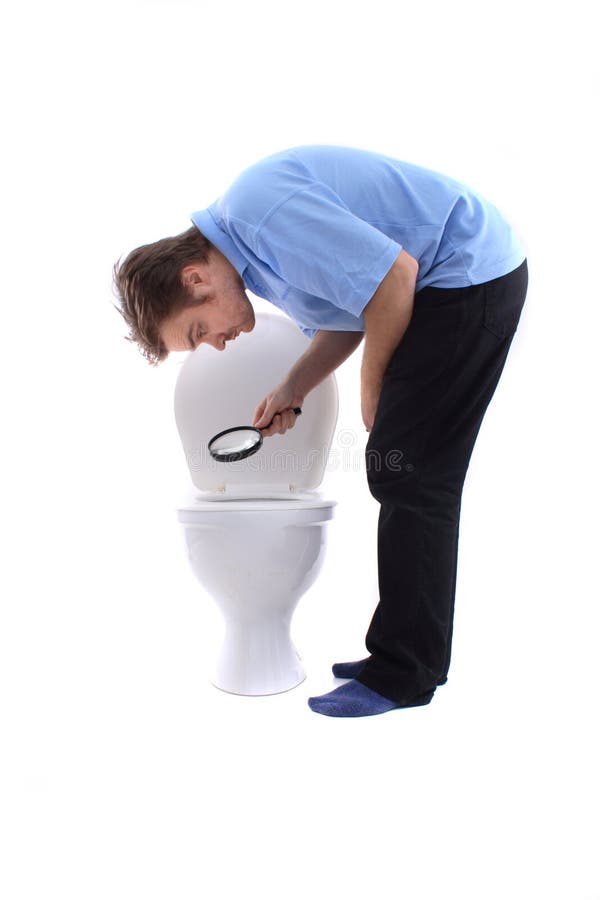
<point x="149" y="288"/>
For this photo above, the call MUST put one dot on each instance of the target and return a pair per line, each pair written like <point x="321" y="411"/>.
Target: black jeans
<point x="435" y="392"/>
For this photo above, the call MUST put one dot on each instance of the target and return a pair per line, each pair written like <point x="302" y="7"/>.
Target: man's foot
<point x="355" y="699"/>
<point x="352" y="699"/>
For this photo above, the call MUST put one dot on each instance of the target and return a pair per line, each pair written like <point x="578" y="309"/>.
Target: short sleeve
<point x="314" y="243"/>
<point x="309" y="332"/>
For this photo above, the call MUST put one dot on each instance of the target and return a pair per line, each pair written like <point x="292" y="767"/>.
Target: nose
<point x="217" y="341"/>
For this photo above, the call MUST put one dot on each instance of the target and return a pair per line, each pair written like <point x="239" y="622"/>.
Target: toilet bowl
<point x="255" y="529"/>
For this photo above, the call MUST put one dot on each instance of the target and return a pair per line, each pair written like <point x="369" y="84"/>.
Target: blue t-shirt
<point x="315" y="230"/>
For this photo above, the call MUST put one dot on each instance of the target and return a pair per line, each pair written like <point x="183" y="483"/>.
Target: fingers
<point x="259" y="413"/>
<point x="282" y="421"/>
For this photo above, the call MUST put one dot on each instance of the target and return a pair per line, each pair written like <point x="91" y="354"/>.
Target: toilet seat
<point x="186" y="510"/>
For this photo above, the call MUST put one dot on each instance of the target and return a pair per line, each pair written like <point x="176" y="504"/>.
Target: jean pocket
<point x="503" y="302"/>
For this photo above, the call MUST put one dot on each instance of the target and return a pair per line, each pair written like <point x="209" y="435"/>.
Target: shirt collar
<point x="207" y="221"/>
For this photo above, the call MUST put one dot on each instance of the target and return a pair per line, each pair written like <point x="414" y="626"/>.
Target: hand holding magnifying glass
<point x="238" y="442"/>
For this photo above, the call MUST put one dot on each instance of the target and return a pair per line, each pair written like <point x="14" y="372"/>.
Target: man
<point x="349" y="244"/>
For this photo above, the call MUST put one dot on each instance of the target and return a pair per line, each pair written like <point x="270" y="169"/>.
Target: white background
<point x="124" y="773"/>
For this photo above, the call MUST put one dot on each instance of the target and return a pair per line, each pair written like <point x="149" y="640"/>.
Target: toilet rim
<point x="253" y="505"/>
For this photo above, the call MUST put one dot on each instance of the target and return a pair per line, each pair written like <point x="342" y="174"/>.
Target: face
<point x="223" y="311"/>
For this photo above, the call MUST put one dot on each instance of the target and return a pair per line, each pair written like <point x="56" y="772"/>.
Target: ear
<point x="193" y="274"/>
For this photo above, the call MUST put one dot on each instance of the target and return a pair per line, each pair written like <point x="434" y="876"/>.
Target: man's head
<point x="179" y="292"/>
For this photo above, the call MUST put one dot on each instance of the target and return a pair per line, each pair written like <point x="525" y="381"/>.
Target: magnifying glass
<point x="238" y="443"/>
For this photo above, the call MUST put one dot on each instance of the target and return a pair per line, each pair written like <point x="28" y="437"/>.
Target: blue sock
<point x="349" y="669"/>
<point x="352" y="699"/>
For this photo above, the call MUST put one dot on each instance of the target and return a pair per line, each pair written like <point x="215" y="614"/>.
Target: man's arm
<point x="327" y="351"/>
<point x="387" y="316"/>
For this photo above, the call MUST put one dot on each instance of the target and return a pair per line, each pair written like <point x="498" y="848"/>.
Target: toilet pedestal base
<point x="256" y="564"/>
<point x="257" y="659"/>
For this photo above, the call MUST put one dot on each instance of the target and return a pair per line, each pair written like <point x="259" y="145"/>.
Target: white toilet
<point x="255" y="529"/>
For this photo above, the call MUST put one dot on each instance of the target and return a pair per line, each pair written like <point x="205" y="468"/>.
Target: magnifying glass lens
<point x="240" y="440"/>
